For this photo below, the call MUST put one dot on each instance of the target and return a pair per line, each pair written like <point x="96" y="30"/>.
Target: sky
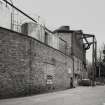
<point x="87" y="15"/>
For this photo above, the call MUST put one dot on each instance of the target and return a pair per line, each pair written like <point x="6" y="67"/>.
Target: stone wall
<point x="25" y="64"/>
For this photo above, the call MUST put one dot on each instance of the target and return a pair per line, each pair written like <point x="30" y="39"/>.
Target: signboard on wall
<point x="49" y="73"/>
<point x="69" y="70"/>
<point x="49" y="79"/>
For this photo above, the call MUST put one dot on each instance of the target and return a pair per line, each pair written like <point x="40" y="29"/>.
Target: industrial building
<point x="34" y="59"/>
<point x="38" y="60"/>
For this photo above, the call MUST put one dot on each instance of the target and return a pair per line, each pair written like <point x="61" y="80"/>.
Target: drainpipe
<point x="93" y="61"/>
<point x="72" y="53"/>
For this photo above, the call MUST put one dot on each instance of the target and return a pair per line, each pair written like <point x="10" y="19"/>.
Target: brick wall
<point x="75" y="50"/>
<point x="25" y="64"/>
<point x="66" y="37"/>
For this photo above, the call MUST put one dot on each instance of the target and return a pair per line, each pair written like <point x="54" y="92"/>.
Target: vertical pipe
<point x="30" y="64"/>
<point x="100" y="65"/>
<point x="12" y="16"/>
<point x="93" y="53"/>
<point x="99" y="70"/>
<point x="11" y="22"/>
<point x="95" y="57"/>
<point x="72" y="53"/>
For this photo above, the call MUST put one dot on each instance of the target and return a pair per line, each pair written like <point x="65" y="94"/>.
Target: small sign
<point x="49" y="81"/>
<point x="69" y="71"/>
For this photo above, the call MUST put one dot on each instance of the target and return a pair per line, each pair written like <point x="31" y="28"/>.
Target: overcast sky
<point x="88" y="15"/>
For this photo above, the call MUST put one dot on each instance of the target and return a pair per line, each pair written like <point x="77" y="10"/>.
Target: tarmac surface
<point x="77" y="96"/>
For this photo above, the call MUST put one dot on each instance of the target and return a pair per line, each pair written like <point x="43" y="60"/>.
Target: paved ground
<point x="77" y="96"/>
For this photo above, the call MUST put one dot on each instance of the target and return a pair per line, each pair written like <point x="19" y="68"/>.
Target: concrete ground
<point x="77" y="96"/>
